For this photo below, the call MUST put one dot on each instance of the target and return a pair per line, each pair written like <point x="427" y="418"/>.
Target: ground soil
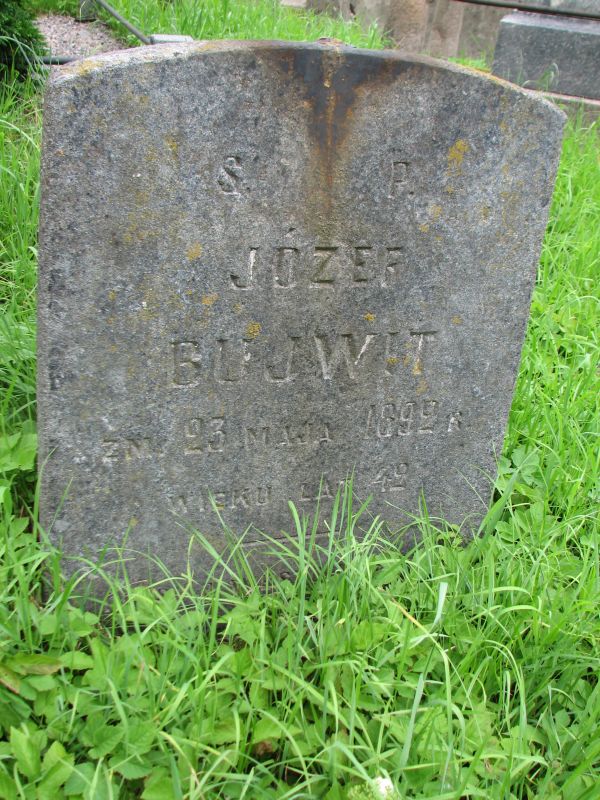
<point x="69" y="37"/>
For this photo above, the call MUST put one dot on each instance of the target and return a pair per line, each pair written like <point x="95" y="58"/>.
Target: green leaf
<point x="223" y="733"/>
<point x="18" y="451"/>
<point x="141" y="736"/>
<point x="57" y="767"/>
<point x="335" y="792"/>
<point x="81" y="778"/>
<point x="48" y="624"/>
<point x="34" y="664"/>
<point x="26" y="691"/>
<point x="10" y="679"/>
<point x="18" y="525"/>
<point x="107" y="740"/>
<point x="42" y="683"/>
<point x="76" y="660"/>
<point x="266" y="729"/>
<point x="131" y="770"/>
<point x="54" y="755"/>
<point x="368" y="634"/>
<point x="82" y="624"/>
<point x="159" y="786"/>
<point x="13" y="710"/>
<point x="8" y="788"/>
<point x="26" y="752"/>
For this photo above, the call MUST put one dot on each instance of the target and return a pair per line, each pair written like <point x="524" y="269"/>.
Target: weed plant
<point x="451" y="672"/>
<point x="21" y="43"/>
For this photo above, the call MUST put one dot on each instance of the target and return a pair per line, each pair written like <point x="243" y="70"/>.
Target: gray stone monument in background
<point x="265" y="266"/>
<point x="556" y="54"/>
<point x="417" y="26"/>
<point x="437" y="27"/>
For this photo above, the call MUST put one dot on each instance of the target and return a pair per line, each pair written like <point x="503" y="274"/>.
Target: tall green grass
<point x="20" y="123"/>
<point x="227" y="19"/>
<point x="452" y="672"/>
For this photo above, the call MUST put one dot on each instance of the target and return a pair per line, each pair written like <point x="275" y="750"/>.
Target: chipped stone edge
<point x="157" y="54"/>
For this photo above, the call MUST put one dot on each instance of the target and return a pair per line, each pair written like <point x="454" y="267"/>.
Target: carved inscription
<point x="205" y="435"/>
<point x="399" y="178"/>
<point x="385" y="421"/>
<point x="399" y="355"/>
<point x="409" y="418"/>
<point x="280" y="370"/>
<point x="319" y="266"/>
<point x="401" y="419"/>
<point x="324" y="269"/>
<point x="286" y="267"/>
<point x="391" y="478"/>
<point x="186" y="363"/>
<point x="455" y="422"/>
<point x="117" y="449"/>
<point x="231" y="359"/>
<point x="210" y="435"/>
<point x="283" y="359"/>
<point x="343" y="352"/>
<point x="324" y="489"/>
<point x="309" y="432"/>
<point x="229" y="177"/>
<point x="244" y="279"/>
<point x="421" y="337"/>
<point x="365" y="263"/>
<point x="388" y="478"/>
<point x="198" y="502"/>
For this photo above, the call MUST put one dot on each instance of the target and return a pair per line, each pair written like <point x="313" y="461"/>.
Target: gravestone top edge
<point x="160" y="54"/>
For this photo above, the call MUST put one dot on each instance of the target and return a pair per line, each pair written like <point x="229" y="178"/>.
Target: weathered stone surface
<point x="263" y="265"/>
<point x="556" y="54"/>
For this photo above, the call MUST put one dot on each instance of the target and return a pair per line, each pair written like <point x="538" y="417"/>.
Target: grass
<point x="453" y="672"/>
<point x="226" y="19"/>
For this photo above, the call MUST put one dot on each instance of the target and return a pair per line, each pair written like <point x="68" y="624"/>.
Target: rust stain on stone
<point x="331" y="80"/>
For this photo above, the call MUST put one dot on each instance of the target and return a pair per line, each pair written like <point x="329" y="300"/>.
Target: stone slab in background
<point x="442" y="28"/>
<point x="264" y="266"/>
<point x="417" y="26"/>
<point x="479" y="31"/>
<point x="551" y="53"/>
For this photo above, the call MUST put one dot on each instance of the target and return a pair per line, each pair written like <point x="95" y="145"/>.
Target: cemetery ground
<point x="452" y="671"/>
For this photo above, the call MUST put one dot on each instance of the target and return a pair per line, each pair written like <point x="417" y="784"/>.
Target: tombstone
<point x="481" y="24"/>
<point x="557" y="54"/>
<point x="267" y="266"/>
<point x="417" y="26"/>
<point x="479" y="31"/>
